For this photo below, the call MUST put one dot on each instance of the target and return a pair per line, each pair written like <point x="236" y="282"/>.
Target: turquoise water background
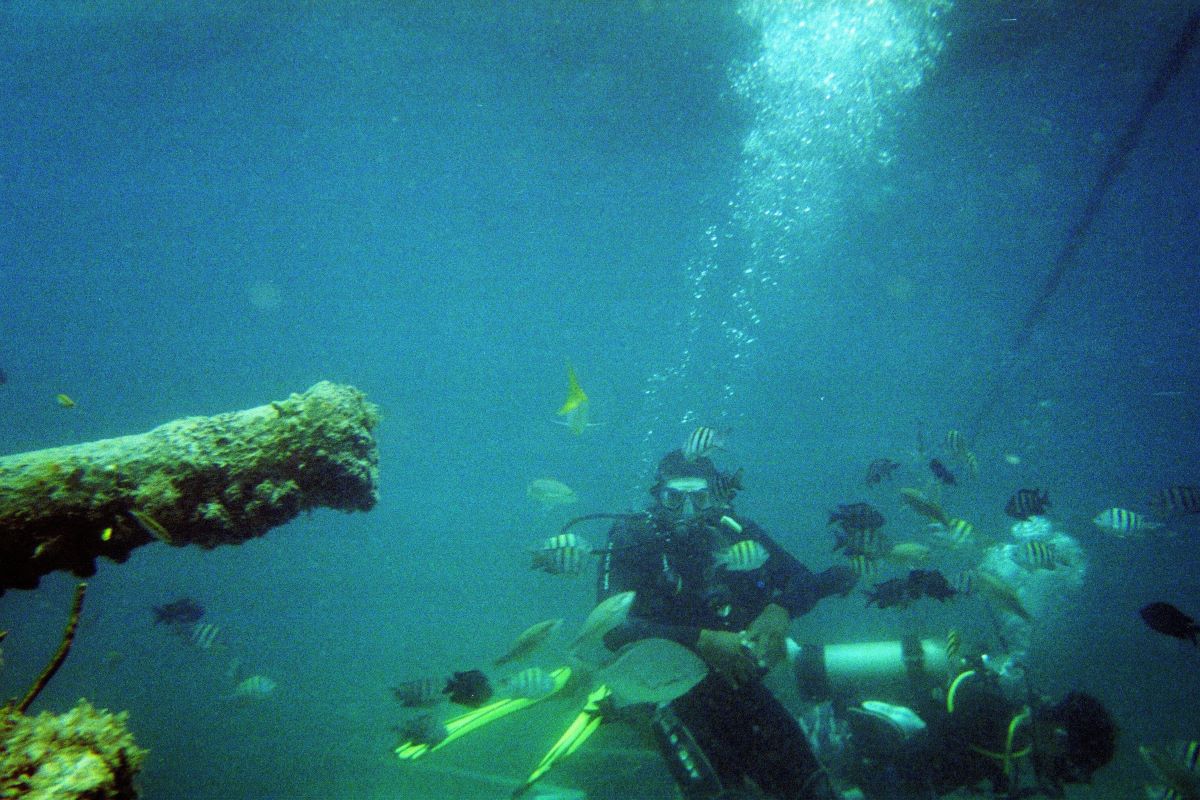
<point x="818" y="224"/>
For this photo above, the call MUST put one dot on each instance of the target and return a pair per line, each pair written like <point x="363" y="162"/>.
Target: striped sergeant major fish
<point x="1122" y="521"/>
<point x="956" y="443"/>
<point x="204" y="635"/>
<point x="702" y="441"/>
<point x="420" y="692"/>
<point x="744" y="556"/>
<point x="1026" y="503"/>
<point x="563" y="554"/>
<point x="1033" y="555"/>
<point x="958" y="533"/>
<point x="956" y="446"/>
<point x="953" y="644"/>
<point x="1178" y="500"/>
<point x="863" y="566"/>
<point x="728" y="484"/>
<point x="531" y="683"/>
<point x="1178" y="768"/>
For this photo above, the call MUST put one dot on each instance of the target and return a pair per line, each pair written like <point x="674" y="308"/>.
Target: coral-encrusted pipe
<point x="198" y="480"/>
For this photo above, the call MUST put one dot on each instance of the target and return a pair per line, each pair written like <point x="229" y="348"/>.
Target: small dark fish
<point x="3" y="377"/>
<point x="1026" y="503"/>
<point x="423" y="729"/>
<point x="419" y="693"/>
<point x="890" y="594"/>
<point x="880" y="470"/>
<point x="470" y="688"/>
<point x="857" y="517"/>
<point x="900" y="592"/>
<point x="184" y="611"/>
<point x="940" y="472"/>
<point x="1166" y="618"/>
<point x="1178" y="500"/>
<point x="931" y="583"/>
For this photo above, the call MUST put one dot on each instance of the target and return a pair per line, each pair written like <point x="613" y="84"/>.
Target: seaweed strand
<point x="61" y="655"/>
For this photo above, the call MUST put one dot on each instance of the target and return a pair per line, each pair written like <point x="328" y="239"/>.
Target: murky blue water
<point x="818" y="224"/>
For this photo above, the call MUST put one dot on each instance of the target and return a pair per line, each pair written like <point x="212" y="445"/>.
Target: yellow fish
<point x="925" y="506"/>
<point x="1001" y="594"/>
<point x="150" y="525"/>
<point x="64" y="401"/>
<point x="575" y="407"/>
<point x="907" y="553"/>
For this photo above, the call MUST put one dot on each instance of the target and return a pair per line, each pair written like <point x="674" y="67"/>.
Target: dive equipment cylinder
<point x="896" y="671"/>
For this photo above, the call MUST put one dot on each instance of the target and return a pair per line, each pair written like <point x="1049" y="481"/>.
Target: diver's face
<point x="684" y="498"/>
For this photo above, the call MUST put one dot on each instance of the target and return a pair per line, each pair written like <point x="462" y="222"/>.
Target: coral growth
<point x="84" y="753"/>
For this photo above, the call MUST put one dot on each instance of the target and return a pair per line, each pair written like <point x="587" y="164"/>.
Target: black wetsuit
<point x="957" y="750"/>
<point x="742" y="733"/>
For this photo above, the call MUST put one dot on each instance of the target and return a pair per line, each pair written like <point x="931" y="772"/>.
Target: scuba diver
<point x="977" y="733"/>
<point x="716" y="583"/>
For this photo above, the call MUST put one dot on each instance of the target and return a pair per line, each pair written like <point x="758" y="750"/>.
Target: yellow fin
<point x="576" y="397"/>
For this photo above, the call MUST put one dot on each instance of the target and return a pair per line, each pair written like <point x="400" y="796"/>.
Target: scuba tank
<point x="897" y="671"/>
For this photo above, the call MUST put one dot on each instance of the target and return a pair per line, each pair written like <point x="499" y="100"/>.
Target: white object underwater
<point x="902" y="717"/>
<point x="256" y="687"/>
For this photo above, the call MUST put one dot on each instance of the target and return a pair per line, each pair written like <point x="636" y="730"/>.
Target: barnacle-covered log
<point x="198" y="480"/>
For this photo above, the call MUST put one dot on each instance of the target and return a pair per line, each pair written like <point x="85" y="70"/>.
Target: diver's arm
<point x="797" y="588"/>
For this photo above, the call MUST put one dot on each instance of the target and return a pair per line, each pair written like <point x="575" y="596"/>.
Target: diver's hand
<point x="767" y="636"/>
<point x="726" y="653"/>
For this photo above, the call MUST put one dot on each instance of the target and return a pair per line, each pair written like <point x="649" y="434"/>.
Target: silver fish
<point x="551" y="493"/>
<point x="529" y="640"/>
<point x="604" y="617"/>
<point x="652" y="671"/>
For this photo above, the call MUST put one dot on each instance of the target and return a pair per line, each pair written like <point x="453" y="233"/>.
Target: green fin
<point x="578" y="732"/>
<point x="478" y="717"/>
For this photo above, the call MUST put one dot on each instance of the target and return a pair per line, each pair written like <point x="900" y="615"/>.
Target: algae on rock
<point x="85" y="753"/>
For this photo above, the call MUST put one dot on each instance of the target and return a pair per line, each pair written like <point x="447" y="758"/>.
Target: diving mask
<point x="685" y="495"/>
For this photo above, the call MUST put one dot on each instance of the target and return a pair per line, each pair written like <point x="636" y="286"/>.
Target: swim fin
<point x="476" y="718"/>
<point x="583" y="726"/>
